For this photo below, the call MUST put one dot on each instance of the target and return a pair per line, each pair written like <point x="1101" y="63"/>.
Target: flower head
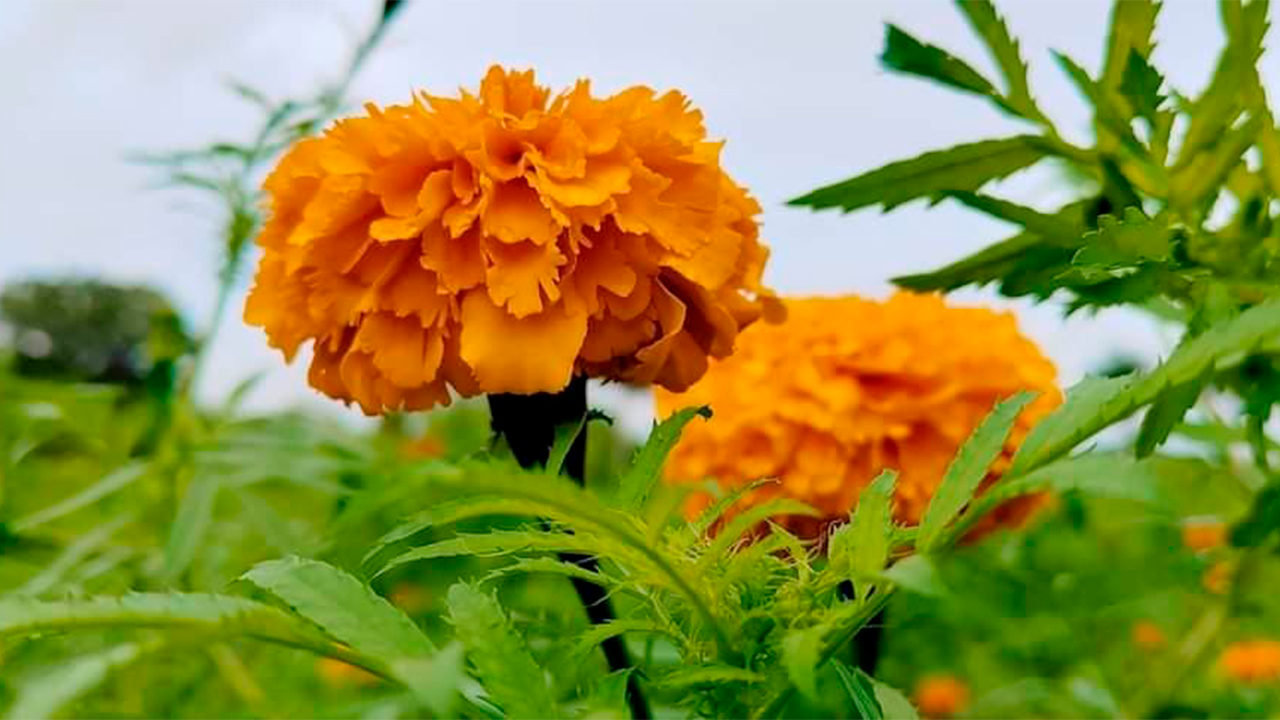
<point x="1252" y="662"/>
<point x="941" y="696"/>
<point x="502" y="241"/>
<point x="848" y="387"/>
<point x="1203" y="534"/>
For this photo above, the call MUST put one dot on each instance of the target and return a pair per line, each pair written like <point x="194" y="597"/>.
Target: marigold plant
<point x="848" y="387"/>
<point x="941" y="696"/>
<point x="504" y="240"/>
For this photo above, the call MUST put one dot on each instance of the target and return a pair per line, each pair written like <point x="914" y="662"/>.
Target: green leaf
<point x="62" y="685"/>
<point x="917" y="574"/>
<point x="565" y="436"/>
<point x="743" y="523"/>
<point x="1054" y="229"/>
<point x="342" y="606"/>
<point x="608" y="700"/>
<point x="552" y="566"/>
<point x="861" y="548"/>
<point x="505" y="668"/>
<point x="988" y="24"/>
<point x="195" y="515"/>
<point x="1108" y="119"/>
<point x="694" y="675"/>
<point x="646" y="469"/>
<point x="801" y="656"/>
<point x="449" y="511"/>
<point x="1203" y="177"/>
<point x="1071" y="423"/>
<point x="72" y="556"/>
<point x="905" y="54"/>
<point x="960" y="168"/>
<point x="861" y="690"/>
<point x="1124" y="243"/>
<point x="1133" y="22"/>
<point x="113" y="481"/>
<point x="1166" y="413"/>
<point x="496" y="543"/>
<point x="435" y="680"/>
<point x="593" y="636"/>
<point x="1098" y="474"/>
<point x="1140" y="85"/>
<point x="990" y="264"/>
<point x="893" y="703"/>
<point x="968" y="469"/>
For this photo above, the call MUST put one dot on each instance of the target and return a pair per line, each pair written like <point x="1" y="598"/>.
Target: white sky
<point x="793" y="85"/>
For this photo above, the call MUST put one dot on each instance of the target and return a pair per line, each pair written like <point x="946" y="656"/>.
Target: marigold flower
<point x="1202" y="534"/>
<point x="1217" y="579"/>
<point x="848" y="387"/>
<point x="1148" y="635"/>
<point x="1252" y="662"/>
<point x="940" y="696"/>
<point x="502" y="241"/>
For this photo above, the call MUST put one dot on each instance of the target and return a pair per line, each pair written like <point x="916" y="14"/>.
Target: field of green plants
<point x="161" y="557"/>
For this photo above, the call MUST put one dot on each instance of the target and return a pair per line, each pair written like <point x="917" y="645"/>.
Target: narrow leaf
<point x="112" y="482"/>
<point x="861" y="548"/>
<point x="858" y="685"/>
<point x="53" y="690"/>
<point x="501" y="659"/>
<point x="646" y="469"/>
<point x="1052" y="228"/>
<point x="905" y="54"/>
<point x="968" y="469"/>
<point x="963" y="167"/>
<point x="496" y="543"/>
<point x="1133" y="23"/>
<point x="694" y="675"/>
<point x="918" y="574"/>
<point x="1166" y="413"/>
<point x="988" y="24"/>
<point x="801" y="655"/>
<point x="344" y="607"/>
<point x="195" y="515"/>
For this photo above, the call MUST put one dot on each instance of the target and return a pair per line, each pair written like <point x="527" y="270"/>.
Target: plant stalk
<point x="528" y="424"/>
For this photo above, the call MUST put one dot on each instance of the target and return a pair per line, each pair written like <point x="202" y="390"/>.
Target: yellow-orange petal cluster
<point x="1252" y="662"/>
<point x="1203" y="534"/>
<point x="848" y="387"/>
<point x="504" y="240"/>
<point x="941" y="696"/>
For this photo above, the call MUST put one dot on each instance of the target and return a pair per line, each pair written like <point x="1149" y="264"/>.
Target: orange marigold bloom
<point x="1253" y="662"/>
<point x="1204" y="534"/>
<point x="941" y="696"/>
<point x="502" y="241"/>
<point x="1148" y="635"/>
<point x="848" y="387"/>
<point x="1217" y="579"/>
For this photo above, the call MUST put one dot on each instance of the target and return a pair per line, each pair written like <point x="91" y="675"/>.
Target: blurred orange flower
<point x="848" y="387"/>
<point x="1203" y="534"/>
<point x="1217" y="579"/>
<point x="1148" y="635"/>
<point x="1252" y="662"/>
<point x="504" y="240"/>
<point x="941" y="696"/>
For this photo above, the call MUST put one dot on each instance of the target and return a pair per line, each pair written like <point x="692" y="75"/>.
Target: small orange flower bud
<point x="423" y="448"/>
<point x="941" y="696"/>
<point x="410" y="598"/>
<point x="1148" y="635"/>
<point x="1252" y="662"/>
<point x="1203" y="534"/>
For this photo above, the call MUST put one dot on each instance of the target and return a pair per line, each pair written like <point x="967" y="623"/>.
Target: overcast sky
<point x="792" y="85"/>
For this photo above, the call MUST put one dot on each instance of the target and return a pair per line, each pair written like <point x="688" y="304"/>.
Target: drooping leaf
<point x="988" y="24"/>
<point x="905" y="54"/>
<point x="861" y="548"/>
<point x="566" y="435"/>
<point x="346" y="608"/>
<point x="72" y="556"/>
<point x="1054" y="229"/>
<point x="63" y="684"/>
<point x="694" y="675"/>
<point x="646" y="468"/>
<point x="1166" y="413"/>
<point x="552" y="566"/>
<point x="968" y="469"/>
<point x="960" y="168"/>
<point x="496" y="543"/>
<point x="501" y="659"/>
<point x="594" y="636"/>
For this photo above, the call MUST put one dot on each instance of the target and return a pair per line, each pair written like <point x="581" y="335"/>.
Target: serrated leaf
<point x="594" y="636"/>
<point x="444" y="513"/>
<point x="858" y="686"/>
<point x="1140" y="85"/>
<point x="968" y="469"/>
<point x="860" y="548"/>
<point x="1204" y="176"/>
<point x="434" y="680"/>
<point x="1125" y="242"/>
<point x="71" y="557"/>
<point x="1053" y="229"/>
<point x="646" y="469"/>
<point x="801" y="656"/>
<point x="344" y="607"/>
<point x="552" y="566"/>
<point x="62" y="685"/>
<point x="741" y="524"/>
<point x="1133" y="23"/>
<point x="565" y="435"/>
<point x="1108" y="119"/>
<point x="905" y="54"/>
<point x="988" y="24"/>
<point x="501" y="659"/>
<point x="893" y="704"/>
<point x="1099" y="474"/>
<point x="608" y="700"/>
<point x="960" y="168"/>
